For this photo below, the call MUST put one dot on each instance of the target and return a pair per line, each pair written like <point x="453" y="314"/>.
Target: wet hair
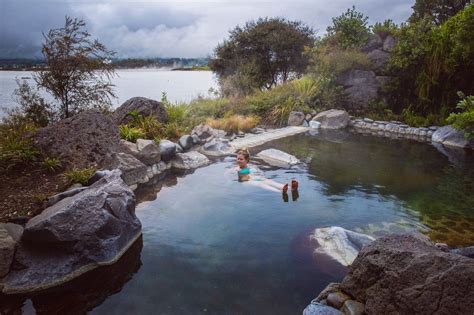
<point x="245" y="153"/>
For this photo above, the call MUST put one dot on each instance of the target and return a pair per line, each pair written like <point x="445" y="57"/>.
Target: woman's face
<point x="241" y="161"/>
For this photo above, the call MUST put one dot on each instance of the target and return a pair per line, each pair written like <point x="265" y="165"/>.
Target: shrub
<point x="464" y="121"/>
<point x="234" y="123"/>
<point x="51" y="164"/>
<point x="349" y="30"/>
<point x="130" y="133"/>
<point x="384" y="29"/>
<point x="81" y="176"/>
<point x="16" y="147"/>
<point x="31" y="106"/>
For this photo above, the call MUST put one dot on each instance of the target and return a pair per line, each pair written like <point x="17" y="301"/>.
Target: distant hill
<point x="129" y="63"/>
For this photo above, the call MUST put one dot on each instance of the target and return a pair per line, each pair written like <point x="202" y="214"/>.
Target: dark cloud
<point x="167" y="28"/>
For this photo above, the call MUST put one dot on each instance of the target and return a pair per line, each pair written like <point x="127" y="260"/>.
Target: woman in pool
<point x="251" y="175"/>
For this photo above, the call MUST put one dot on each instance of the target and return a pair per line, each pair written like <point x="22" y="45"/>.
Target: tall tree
<point x="263" y="53"/>
<point x="438" y="10"/>
<point x="78" y="69"/>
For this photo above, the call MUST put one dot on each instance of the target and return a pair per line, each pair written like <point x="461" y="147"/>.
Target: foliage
<point x="16" y="146"/>
<point x="234" y="123"/>
<point x="31" y="106"/>
<point x="130" y="133"/>
<point x="201" y="108"/>
<point x="388" y="27"/>
<point x="464" y="120"/>
<point x="78" y="69"/>
<point x="349" y="30"/>
<point x="263" y="53"/>
<point x="51" y="164"/>
<point x="81" y="176"/>
<point x="411" y="118"/>
<point x="331" y="62"/>
<point x="439" y="11"/>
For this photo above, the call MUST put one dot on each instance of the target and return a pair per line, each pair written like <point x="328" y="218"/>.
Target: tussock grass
<point x="234" y="123"/>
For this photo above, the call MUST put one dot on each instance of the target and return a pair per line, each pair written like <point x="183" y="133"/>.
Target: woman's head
<point x="243" y="157"/>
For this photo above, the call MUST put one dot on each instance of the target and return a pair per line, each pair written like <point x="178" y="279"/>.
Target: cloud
<point x="167" y="28"/>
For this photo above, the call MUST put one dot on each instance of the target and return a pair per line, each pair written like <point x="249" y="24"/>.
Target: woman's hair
<point x="245" y="153"/>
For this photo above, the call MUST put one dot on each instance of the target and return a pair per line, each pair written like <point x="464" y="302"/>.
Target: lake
<point x="180" y="86"/>
<point x="214" y="245"/>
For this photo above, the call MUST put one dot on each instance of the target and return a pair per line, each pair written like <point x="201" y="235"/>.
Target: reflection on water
<point x="81" y="294"/>
<point x="214" y="245"/>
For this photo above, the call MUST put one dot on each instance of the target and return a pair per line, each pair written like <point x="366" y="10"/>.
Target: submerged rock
<point x="341" y="244"/>
<point x="217" y="147"/>
<point x="278" y="158"/>
<point x="189" y="160"/>
<point x="78" y="234"/>
<point x="408" y="274"/>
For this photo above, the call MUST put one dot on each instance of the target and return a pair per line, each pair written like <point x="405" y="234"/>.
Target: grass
<point x="130" y="133"/>
<point x="234" y="123"/>
<point x="51" y="164"/>
<point x="81" y="176"/>
<point x="16" y="146"/>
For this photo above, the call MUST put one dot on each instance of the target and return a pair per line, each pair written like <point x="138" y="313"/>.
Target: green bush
<point x="81" y="176"/>
<point x="384" y="29"/>
<point x="349" y="30"/>
<point x="16" y="146"/>
<point x="51" y="164"/>
<point x="130" y="133"/>
<point x="464" y="120"/>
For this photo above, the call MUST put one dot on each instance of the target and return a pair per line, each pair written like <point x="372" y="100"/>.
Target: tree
<point x="437" y="10"/>
<point x="78" y="69"/>
<point x="263" y="53"/>
<point x="349" y="30"/>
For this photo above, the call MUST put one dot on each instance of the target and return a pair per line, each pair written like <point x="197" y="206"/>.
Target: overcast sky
<point x="168" y="28"/>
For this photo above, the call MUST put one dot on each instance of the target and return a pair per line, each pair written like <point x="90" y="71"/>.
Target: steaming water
<point x="178" y="85"/>
<point x="216" y="246"/>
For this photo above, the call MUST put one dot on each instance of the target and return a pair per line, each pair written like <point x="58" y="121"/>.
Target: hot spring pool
<point x="213" y="245"/>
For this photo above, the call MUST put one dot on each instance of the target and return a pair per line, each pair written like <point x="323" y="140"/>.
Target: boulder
<point x="375" y="42"/>
<point x="205" y="132"/>
<point x="389" y="43"/>
<point x="449" y="136"/>
<point x="333" y="119"/>
<point x="79" y="141"/>
<point x="189" y="160"/>
<point x="352" y="307"/>
<point x="316" y="308"/>
<point x="296" y="118"/>
<point x="340" y="244"/>
<point x="186" y="142"/>
<point x="58" y="197"/>
<point x="337" y="299"/>
<point x="148" y="152"/>
<point x="217" y="147"/>
<point x="78" y="234"/>
<point x="133" y="171"/>
<point x="14" y="230"/>
<point x="196" y="139"/>
<point x="408" y="274"/>
<point x="278" y="158"/>
<point x="7" y="250"/>
<point x="167" y="150"/>
<point x="360" y="87"/>
<point x="142" y="106"/>
<point x="379" y="58"/>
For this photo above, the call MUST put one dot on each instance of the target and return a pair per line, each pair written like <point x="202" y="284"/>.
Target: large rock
<point x="186" y="142"/>
<point x="360" y="87"/>
<point x="278" y="158"/>
<point x="206" y="133"/>
<point x="296" y="118"/>
<point x="316" y="308"/>
<point x="133" y="171"/>
<point x="217" y="147"/>
<point x="449" y="136"/>
<point x="7" y="251"/>
<point x="79" y="141"/>
<point x="379" y="58"/>
<point x="189" y="160"/>
<point x="142" y="106"/>
<point x="408" y="274"/>
<point x="148" y="152"/>
<point x="78" y="234"/>
<point x="341" y="244"/>
<point x="167" y="150"/>
<point x="389" y="43"/>
<point x="333" y="119"/>
<point x="375" y="42"/>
